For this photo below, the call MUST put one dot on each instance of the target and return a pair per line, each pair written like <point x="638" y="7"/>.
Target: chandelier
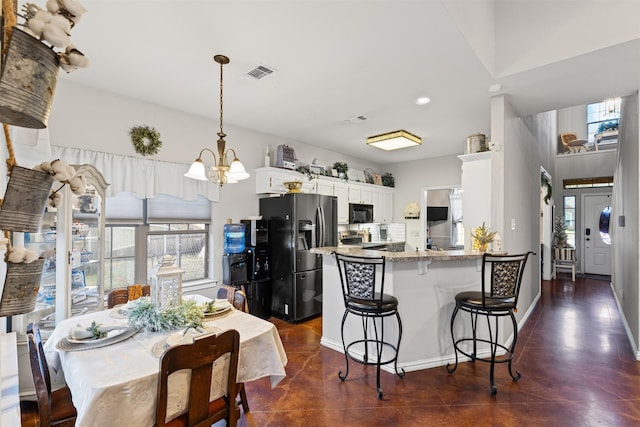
<point x="222" y="172"/>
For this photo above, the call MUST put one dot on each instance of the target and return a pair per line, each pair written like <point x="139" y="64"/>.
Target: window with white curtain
<point x="140" y="231"/>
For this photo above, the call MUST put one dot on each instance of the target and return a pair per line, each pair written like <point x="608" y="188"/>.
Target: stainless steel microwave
<point x="360" y="214"/>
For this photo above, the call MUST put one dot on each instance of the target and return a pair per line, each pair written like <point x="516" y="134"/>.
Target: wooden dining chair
<point x="238" y="299"/>
<point x="199" y="358"/>
<point x="50" y="408"/>
<point x="124" y="295"/>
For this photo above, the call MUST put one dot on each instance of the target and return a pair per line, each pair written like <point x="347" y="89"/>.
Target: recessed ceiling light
<point x="494" y="87"/>
<point x="423" y="100"/>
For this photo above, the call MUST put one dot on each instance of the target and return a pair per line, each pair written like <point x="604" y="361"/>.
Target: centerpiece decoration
<point x="146" y="314"/>
<point x="482" y="236"/>
<point x="166" y="284"/>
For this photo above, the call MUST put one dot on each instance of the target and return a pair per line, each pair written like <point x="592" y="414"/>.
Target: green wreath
<point x="145" y="139"/>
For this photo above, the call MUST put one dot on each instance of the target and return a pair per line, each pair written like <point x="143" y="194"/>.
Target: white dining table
<point x="116" y="385"/>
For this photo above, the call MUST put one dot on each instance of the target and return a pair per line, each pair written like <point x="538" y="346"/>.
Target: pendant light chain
<point x="221" y="131"/>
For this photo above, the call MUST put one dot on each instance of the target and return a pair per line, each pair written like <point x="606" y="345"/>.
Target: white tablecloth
<point x="116" y="385"/>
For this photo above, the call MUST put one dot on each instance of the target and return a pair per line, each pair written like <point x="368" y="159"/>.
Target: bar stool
<point x="498" y="300"/>
<point x="362" y="281"/>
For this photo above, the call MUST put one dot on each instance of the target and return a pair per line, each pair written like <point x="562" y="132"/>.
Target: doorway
<point x="596" y="239"/>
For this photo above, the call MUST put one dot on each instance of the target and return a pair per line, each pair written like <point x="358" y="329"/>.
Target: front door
<point x="596" y="237"/>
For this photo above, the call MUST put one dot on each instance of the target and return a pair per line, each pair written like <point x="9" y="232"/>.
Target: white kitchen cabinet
<point x="325" y="187"/>
<point x="341" y="191"/>
<point x="376" y="201"/>
<point x="387" y="205"/>
<point x="382" y="201"/>
<point x="360" y="193"/>
<point x="270" y="181"/>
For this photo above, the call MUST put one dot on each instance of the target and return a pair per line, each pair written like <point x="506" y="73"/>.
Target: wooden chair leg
<point x="243" y="398"/>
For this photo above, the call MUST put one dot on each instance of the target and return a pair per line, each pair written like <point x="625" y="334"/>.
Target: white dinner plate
<point x="110" y="334"/>
<point x="66" y="345"/>
<point x="218" y="311"/>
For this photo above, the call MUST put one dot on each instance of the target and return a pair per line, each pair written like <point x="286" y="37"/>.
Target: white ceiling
<point x="336" y="60"/>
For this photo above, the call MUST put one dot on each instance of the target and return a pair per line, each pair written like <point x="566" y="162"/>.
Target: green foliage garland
<point x="145" y="139"/>
<point x="146" y="315"/>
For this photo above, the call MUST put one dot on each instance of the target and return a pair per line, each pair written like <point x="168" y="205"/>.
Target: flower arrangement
<point x="145" y="314"/>
<point x="65" y="174"/>
<point x="53" y="25"/>
<point x="482" y="236"/>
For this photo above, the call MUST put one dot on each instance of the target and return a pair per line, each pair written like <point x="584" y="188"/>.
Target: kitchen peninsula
<point x="425" y="284"/>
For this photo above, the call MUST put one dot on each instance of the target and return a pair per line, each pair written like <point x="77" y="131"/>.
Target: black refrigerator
<point x="297" y="223"/>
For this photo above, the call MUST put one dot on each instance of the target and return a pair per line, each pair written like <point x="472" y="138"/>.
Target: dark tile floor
<point x="577" y="366"/>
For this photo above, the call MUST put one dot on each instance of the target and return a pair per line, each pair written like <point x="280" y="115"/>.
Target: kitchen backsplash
<point x="394" y="232"/>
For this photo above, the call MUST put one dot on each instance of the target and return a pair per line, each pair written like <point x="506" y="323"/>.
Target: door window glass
<point x="603" y="225"/>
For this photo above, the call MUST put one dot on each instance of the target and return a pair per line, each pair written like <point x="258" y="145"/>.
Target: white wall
<point x="83" y="117"/>
<point x="520" y="140"/>
<point x="626" y="250"/>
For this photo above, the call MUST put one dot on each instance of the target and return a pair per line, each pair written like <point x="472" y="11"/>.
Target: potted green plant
<point x="341" y="168"/>
<point x="388" y="180"/>
<point x="559" y="232"/>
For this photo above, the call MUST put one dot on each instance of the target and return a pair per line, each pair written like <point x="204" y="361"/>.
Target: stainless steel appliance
<point x="297" y="223"/>
<point x="360" y="213"/>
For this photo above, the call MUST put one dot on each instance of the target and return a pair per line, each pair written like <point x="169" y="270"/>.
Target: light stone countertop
<point x="404" y="256"/>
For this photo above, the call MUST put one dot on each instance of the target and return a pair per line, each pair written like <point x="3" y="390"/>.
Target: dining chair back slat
<point x="51" y="408"/>
<point x="199" y="358"/>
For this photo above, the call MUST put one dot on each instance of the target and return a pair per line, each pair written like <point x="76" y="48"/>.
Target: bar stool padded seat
<point x="388" y="303"/>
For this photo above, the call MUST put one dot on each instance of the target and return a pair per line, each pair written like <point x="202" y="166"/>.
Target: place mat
<point x="66" y="345"/>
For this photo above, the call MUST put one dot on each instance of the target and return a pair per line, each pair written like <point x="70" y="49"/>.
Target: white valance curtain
<point x="145" y="178"/>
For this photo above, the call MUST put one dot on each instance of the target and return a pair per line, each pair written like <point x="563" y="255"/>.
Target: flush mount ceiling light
<point x="222" y="172"/>
<point x="423" y="100"/>
<point x="394" y="140"/>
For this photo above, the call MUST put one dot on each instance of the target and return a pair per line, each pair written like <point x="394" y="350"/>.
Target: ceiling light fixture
<point x="423" y="100"/>
<point x="221" y="172"/>
<point x="394" y="140"/>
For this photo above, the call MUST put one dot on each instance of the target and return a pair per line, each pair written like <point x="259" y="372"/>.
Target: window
<point x="602" y="181"/>
<point x="600" y="115"/>
<point x="138" y="232"/>
<point x="186" y="242"/>
<point x="120" y="257"/>
<point x="569" y="214"/>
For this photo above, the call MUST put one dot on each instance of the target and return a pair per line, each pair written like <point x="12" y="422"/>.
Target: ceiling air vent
<point x="259" y="72"/>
